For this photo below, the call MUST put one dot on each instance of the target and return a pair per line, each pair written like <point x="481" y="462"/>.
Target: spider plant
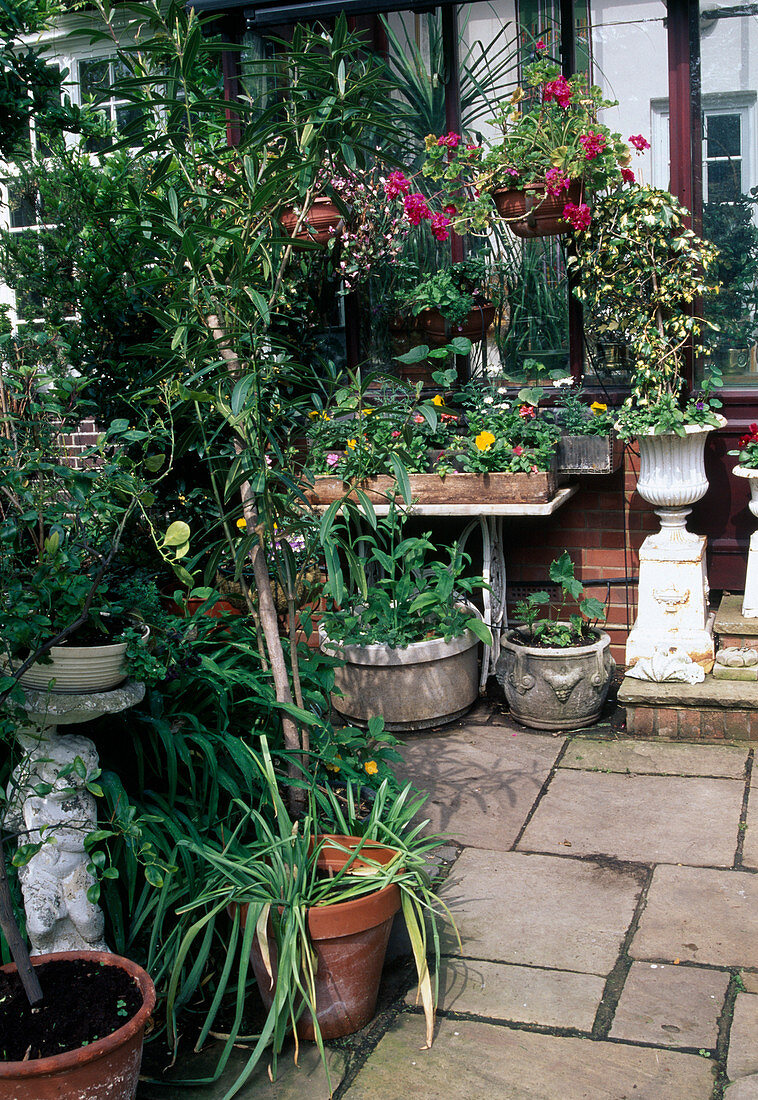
<point x="266" y="874"/>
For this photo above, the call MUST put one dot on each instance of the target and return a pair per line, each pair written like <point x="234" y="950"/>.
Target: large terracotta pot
<point x="437" y="330"/>
<point x="530" y="212"/>
<point x="555" y="689"/>
<point x="350" y="942"/>
<point x="321" y="222"/>
<point x="107" y="1069"/>
<point x="424" y="684"/>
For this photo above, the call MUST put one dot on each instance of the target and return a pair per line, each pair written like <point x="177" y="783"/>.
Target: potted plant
<point x="453" y="302"/>
<point x="553" y="155"/>
<point x="409" y="640"/>
<point x="556" y="673"/>
<point x="311" y="905"/>
<point x="588" y="442"/>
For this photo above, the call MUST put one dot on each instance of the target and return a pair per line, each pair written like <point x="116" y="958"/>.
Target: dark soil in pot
<point x="83" y="1001"/>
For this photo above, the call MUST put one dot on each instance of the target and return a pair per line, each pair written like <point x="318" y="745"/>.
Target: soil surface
<point x="83" y="1001"/>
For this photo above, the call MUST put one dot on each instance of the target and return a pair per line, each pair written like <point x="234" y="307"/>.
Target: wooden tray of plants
<point x="453" y="488"/>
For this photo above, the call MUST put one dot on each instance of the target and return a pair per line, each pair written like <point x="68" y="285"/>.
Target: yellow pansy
<point x="242" y="523"/>
<point x="366" y="412"/>
<point x="371" y="767"/>
<point x="598" y="408"/>
<point x="437" y="400"/>
<point x="352" y="444"/>
<point x="484" y="440"/>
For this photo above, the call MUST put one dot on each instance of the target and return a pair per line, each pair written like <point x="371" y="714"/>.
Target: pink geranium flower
<point x="627" y="175"/>
<point x="440" y="226"/>
<point x="332" y="459"/>
<point x="396" y="185"/>
<point x="556" y="181"/>
<point x="579" y="217"/>
<point x="592" y="143"/>
<point x="415" y="208"/>
<point x="559" y="90"/>
<point x="451" y="140"/>
<point x="639" y="142"/>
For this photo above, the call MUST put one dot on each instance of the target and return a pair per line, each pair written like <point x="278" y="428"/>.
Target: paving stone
<point x="742" y="1059"/>
<point x="471" y="1060"/>
<point x="644" y="818"/>
<point x="522" y="994"/>
<point x="750" y="981"/>
<point x="676" y="1006"/>
<point x="656" y="758"/>
<point x="750" y="840"/>
<point x="744" y="1089"/>
<point x="540" y="910"/>
<point x="699" y="915"/>
<point x="305" y="1081"/>
<point x="482" y="781"/>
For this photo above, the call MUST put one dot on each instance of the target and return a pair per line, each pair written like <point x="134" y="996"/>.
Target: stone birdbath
<point x="59" y="915"/>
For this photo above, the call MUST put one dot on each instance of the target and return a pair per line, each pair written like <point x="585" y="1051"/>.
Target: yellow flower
<point x="242" y="523"/>
<point x="371" y="767"/>
<point x="598" y="408"/>
<point x="315" y="413"/>
<point x="517" y="96"/>
<point x="352" y="444"/>
<point x="430" y="141"/>
<point x="484" y="440"/>
<point x="366" y="412"/>
<point x="437" y="400"/>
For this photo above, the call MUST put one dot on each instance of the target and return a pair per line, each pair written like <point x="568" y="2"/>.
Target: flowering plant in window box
<point x="554" y="153"/>
<point x="456" y="299"/>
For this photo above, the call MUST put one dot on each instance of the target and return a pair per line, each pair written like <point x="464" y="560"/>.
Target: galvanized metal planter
<point x="590" y="454"/>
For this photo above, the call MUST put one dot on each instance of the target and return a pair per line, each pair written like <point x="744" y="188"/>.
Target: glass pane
<point x="130" y="121"/>
<point x="724" y="180"/>
<point x="22" y="205"/>
<point x="94" y="77"/>
<point x="723" y="136"/>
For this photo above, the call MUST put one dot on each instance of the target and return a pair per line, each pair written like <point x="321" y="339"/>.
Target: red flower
<point x="527" y="412"/>
<point x="450" y="210"/>
<point x="592" y="143"/>
<point x="627" y="175"/>
<point x="639" y="142"/>
<point x="396" y="185"/>
<point x="518" y="450"/>
<point x="578" y="217"/>
<point x="540" y="44"/>
<point x="440" y="226"/>
<point x="415" y="208"/>
<point x="556" y="181"/>
<point x="452" y="140"/>
<point x="559" y="90"/>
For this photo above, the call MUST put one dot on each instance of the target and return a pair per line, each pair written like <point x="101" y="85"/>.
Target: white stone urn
<point x="750" y="600"/>
<point x="672" y="611"/>
<point x="672" y="474"/>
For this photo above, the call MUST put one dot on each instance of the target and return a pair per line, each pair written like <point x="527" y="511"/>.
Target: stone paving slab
<point x="750" y="841"/>
<point x="656" y="758"/>
<point x="471" y="1060"/>
<point x="521" y="994"/>
<point x="676" y="1006"/>
<point x="699" y="915"/>
<point x="742" y="1059"/>
<point x="643" y="818"/>
<point x="750" y="981"/>
<point x="539" y="910"/>
<point x="744" y="1089"/>
<point x="305" y="1081"/>
<point x="481" y="780"/>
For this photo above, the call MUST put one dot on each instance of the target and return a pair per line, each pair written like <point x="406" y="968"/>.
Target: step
<point x="731" y="627"/>
<point x="716" y="710"/>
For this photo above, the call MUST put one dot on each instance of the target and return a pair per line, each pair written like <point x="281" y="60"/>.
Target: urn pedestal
<point x="672" y="613"/>
<point x="750" y="599"/>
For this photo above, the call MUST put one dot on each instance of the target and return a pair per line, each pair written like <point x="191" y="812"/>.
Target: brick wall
<point x="77" y="442"/>
<point x="602" y="527"/>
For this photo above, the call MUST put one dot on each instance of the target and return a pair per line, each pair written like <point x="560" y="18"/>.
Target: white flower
<point x="502" y="390"/>
<point x="488" y="400"/>
<point x="566" y="381"/>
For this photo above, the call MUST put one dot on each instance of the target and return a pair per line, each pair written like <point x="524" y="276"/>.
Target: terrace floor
<point x="606" y="894"/>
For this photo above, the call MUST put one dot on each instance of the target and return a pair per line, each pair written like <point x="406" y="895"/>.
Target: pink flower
<point x="474" y="151"/>
<point x="556" y="181"/>
<point x="418" y="419"/>
<point x="627" y="175"/>
<point x="518" y="450"/>
<point x="578" y="217"/>
<point x="639" y="142"/>
<point x="396" y="435"/>
<point x="450" y="210"/>
<point x="526" y="412"/>
<point x="559" y="90"/>
<point x="415" y="208"/>
<point x="540" y="44"/>
<point x="592" y="143"/>
<point x="452" y="140"/>
<point x="332" y="459"/>
<point x="396" y="185"/>
<point x="440" y="226"/>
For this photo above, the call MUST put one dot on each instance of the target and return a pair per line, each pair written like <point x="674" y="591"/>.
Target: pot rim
<point x="603" y="640"/>
<point x="689" y="429"/>
<point x="745" y="471"/>
<point x="70" y="1059"/>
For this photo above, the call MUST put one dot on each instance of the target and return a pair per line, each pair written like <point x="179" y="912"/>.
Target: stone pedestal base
<point x="750" y="599"/>
<point x="672" y="614"/>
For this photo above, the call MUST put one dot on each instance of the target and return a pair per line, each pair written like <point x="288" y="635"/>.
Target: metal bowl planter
<point x="426" y="684"/>
<point x="552" y="688"/>
<point x="107" y="1069"/>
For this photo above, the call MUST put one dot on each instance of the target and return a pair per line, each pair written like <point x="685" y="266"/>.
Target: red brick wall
<point x="77" y="442"/>
<point x="602" y="527"/>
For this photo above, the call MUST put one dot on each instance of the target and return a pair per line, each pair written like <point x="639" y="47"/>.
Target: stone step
<point x="731" y="627"/>
<point x="715" y="710"/>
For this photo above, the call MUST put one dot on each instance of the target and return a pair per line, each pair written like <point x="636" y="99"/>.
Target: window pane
<point x="723" y="136"/>
<point x="724" y="180"/>
<point x="22" y="206"/>
<point x="94" y="77"/>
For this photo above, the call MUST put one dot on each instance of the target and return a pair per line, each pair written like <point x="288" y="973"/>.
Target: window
<point x="96" y="78"/>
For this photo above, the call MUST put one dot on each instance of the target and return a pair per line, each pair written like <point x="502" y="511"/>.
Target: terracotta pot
<point x="107" y="1069"/>
<point x="321" y="223"/>
<point x="350" y="941"/>
<point x="530" y="212"/>
<point x="437" y="330"/>
<point x="192" y="604"/>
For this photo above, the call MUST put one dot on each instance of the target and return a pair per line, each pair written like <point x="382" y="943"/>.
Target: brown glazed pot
<point x="107" y="1069"/>
<point x="529" y="212"/>
<point x="321" y="219"/>
<point x="436" y="330"/>
<point x="350" y="942"/>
